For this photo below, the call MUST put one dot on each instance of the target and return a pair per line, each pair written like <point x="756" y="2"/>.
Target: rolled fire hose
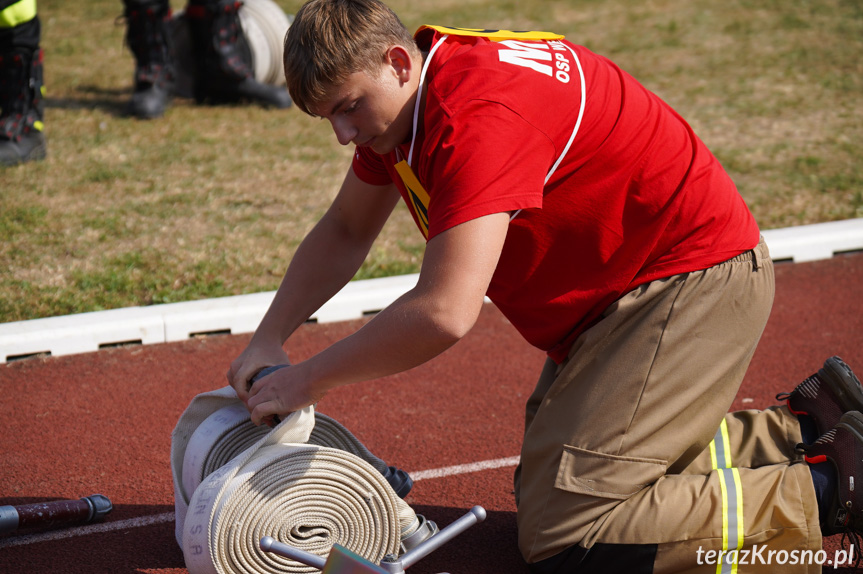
<point x="235" y="483"/>
<point x="264" y="26"/>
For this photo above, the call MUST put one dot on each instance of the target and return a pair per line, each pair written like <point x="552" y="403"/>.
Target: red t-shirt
<point x="636" y="196"/>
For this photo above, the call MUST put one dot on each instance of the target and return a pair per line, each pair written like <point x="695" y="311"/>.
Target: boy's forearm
<point x="411" y="331"/>
<point x="404" y="335"/>
<point x="441" y="309"/>
<point x="426" y="320"/>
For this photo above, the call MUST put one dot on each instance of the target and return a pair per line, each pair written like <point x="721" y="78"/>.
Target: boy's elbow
<point x="450" y="311"/>
<point x="453" y="322"/>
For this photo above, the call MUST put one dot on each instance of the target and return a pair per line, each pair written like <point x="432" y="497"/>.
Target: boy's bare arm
<point x="457" y="269"/>
<point x="324" y="262"/>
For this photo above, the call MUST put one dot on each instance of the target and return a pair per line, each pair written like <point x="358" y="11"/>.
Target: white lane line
<point x="169" y="516"/>
<point x="464" y="468"/>
<point x="89" y="529"/>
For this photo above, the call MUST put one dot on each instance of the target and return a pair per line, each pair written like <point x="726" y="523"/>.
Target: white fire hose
<point x="265" y="25"/>
<point x="308" y="483"/>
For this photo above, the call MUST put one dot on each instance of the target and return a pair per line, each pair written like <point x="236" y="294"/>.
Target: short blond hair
<point x="332" y="39"/>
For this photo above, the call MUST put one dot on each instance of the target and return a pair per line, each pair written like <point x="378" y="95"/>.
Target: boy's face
<point x="374" y="110"/>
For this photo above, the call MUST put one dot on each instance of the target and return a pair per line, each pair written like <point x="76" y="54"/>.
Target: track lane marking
<point x="88" y="529"/>
<point x="164" y="517"/>
<point x="464" y="468"/>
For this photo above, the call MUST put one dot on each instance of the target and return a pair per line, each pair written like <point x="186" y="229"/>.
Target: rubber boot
<point x="148" y="37"/>
<point x="223" y="61"/>
<point x="21" y="107"/>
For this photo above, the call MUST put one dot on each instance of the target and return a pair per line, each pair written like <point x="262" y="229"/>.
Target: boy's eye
<point x="352" y="108"/>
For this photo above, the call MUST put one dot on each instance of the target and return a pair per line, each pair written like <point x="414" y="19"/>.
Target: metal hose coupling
<point x="99" y="505"/>
<point x="424" y="530"/>
<point x="399" y="480"/>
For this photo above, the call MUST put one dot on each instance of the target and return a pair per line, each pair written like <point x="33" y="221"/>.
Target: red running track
<point x="101" y="423"/>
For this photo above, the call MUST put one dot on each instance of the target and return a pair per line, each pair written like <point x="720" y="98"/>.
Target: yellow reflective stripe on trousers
<point x="720" y="448"/>
<point x="18" y="13"/>
<point x="732" y="499"/>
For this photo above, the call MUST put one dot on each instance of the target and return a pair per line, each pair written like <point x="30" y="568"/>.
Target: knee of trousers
<point x="562" y="502"/>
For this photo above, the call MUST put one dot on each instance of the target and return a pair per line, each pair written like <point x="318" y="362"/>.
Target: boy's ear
<point x="399" y="59"/>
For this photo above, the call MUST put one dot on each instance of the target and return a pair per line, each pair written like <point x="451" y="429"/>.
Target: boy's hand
<point x="251" y="361"/>
<point x="280" y="393"/>
<point x="271" y="420"/>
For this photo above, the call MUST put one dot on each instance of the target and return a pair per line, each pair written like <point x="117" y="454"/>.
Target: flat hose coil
<point x="265" y="25"/>
<point x="235" y="483"/>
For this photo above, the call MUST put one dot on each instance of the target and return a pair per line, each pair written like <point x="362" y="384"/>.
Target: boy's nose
<point x="345" y="132"/>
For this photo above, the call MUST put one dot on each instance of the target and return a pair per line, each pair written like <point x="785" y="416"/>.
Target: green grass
<point x="212" y="201"/>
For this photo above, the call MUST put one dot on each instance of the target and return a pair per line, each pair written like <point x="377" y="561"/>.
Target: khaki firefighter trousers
<point x="619" y="448"/>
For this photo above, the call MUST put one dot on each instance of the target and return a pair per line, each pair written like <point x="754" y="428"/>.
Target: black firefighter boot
<point x="223" y="62"/>
<point x="21" y="108"/>
<point x="149" y="39"/>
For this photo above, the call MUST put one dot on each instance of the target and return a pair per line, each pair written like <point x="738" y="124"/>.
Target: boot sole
<point x="38" y="153"/>
<point x="844" y="384"/>
<point x="852" y="422"/>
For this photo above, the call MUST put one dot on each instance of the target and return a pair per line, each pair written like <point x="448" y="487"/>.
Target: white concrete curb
<point x="816" y="241"/>
<point x="87" y="332"/>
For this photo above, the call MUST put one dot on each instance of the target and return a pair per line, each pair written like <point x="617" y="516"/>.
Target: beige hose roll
<point x="235" y="483"/>
<point x="265" y="25"/>
<point x="229" y="431"/>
